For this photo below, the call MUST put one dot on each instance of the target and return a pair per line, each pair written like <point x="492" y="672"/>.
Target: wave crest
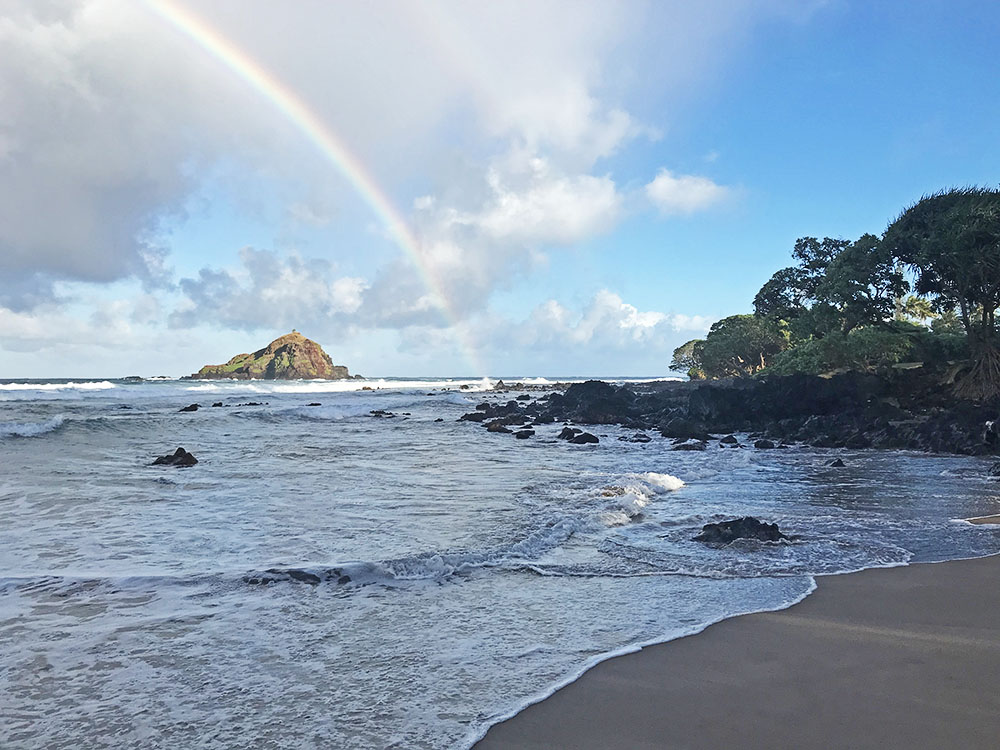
<point x="31" y="429"/>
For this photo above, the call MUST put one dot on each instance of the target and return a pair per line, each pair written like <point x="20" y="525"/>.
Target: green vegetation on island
<point x="926" y="291"/>
<point x="290" y="357"/>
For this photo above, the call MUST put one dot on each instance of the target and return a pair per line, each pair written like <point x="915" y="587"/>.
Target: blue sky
<point x="591" y="184"/>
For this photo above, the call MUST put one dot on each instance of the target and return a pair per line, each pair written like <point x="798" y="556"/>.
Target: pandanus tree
<point x="951" y="241"/>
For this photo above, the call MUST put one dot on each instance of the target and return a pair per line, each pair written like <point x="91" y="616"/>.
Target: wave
<point x="630" y="499"/>
<point x="31" y="429"/>
<point x="96" y="385"/>
<point x="341" y="386"/>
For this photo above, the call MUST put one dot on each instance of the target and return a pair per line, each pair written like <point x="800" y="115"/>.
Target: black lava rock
<point x="747" y="527"/>
<point x="694" y="445"/>
<point x="180" y="457"/>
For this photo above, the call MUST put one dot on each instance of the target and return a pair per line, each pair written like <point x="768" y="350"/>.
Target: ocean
<point x="329" y="578"/>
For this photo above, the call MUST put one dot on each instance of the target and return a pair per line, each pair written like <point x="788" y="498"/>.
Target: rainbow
<point x="329" y="144"/>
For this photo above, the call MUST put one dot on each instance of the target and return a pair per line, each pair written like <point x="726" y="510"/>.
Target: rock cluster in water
<point x="290" y="357"/>
<point x="908" y="409"/>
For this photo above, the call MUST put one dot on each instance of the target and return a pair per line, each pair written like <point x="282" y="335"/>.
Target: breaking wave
<point x="31" y="429"/>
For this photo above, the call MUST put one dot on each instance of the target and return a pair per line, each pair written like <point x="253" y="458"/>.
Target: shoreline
<point x="905" y="656"/>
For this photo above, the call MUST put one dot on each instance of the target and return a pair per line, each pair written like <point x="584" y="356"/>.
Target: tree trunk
<point x="982" y="382"/>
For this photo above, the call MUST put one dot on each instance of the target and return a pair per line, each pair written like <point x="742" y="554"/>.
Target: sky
<point x="454" y="189"/>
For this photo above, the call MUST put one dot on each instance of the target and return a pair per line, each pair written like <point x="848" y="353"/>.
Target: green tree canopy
<point x="836" y="287"/>
<point x="687" y="358"/>
<point x="951" y="240"/>
<point x="741" y="345"/>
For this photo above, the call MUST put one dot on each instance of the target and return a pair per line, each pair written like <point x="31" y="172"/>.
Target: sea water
<point x="328" y="578"/>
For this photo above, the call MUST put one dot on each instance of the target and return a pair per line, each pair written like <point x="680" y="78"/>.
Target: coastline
<point x="886" y="657"/>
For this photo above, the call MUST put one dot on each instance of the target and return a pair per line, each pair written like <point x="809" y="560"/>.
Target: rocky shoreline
<point x="905" y="409"/>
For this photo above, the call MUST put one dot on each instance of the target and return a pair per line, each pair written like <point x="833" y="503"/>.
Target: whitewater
<point x="329" y="577"/>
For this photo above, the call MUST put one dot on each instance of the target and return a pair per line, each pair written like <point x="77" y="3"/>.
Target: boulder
<point x="524" y="397"/>
<point x="763" y="444"/>
<point x="693" y="445"/>
<point x="190" y="407"/>
<point x="217" y="404"/>
<point x="568" y="433"/>
<point x="315" y="403"/>
<point x="474" y="416"/>
<point x="836" y="463"/>
<point x="497" y="425"/>
<point x="747" y="527"/>
<point x="180" y="457"/>
<point x="729" y="440"/>
<point x="524" y="434"/>
<point x="584" y="438"/>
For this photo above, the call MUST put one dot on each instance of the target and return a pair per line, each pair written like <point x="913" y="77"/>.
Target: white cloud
<point x="268" y="291"/>
<point x="560" y="209"/>
<point x="607" y="322"/>
<point x="684" y="194"/>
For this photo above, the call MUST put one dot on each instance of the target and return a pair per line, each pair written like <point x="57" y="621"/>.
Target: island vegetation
<point x="926" y="291"/>
<point x="289" y="357"/>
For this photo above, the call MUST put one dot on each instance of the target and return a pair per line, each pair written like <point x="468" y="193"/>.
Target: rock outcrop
<point x="748" y="527"/>
<point x="290" y="357"/>
<point x="180" y="457"/>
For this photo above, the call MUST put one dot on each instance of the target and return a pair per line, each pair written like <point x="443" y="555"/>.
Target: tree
<point x="687" y="358"/>
<point x="741" y="345"/>
<point x="863" y="283"/>
<point x="951" y="240"/>
<point x="838" y="286"/>
<point x="918" y="309"/>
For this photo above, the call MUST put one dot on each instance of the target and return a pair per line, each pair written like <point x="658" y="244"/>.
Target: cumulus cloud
<point x="269" y="291"/>
<point x="607" y="322"/>
<point x="92" y="144"/>
<point x="684" y="194"/>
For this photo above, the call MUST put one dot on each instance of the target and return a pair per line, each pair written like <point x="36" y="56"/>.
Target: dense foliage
<point x="844" y="305"/>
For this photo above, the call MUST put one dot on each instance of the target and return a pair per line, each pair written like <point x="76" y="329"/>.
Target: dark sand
<point x="896" y="658"/>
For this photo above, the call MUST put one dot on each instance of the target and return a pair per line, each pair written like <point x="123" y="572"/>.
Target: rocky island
<point x="289" y="357"/>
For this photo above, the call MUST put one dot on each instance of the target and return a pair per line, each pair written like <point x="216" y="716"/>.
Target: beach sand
<point x="891" y="658"/>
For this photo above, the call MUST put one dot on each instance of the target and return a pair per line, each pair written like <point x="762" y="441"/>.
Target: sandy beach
<point x="889" y="658"/>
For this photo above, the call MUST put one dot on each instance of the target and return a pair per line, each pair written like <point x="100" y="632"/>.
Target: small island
<point x="289" y="357"/>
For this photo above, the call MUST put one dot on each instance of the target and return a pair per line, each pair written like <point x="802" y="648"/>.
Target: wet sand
<point x="892" y="658"/>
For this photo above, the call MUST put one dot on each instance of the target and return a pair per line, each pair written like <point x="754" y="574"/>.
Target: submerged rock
<point x="180" y="457"/>
<point x="583" y="438"/>
<point x="190" y="407"/>
<point x="747" y="527"/>
<point x="692" y="445"/>
<point x="524" y="434"/>
<point x="836" y="463"/>
<point x="497" y="426"/>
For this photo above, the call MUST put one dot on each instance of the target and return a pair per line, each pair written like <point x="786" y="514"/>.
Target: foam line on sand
<point x="904" y="657"/>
